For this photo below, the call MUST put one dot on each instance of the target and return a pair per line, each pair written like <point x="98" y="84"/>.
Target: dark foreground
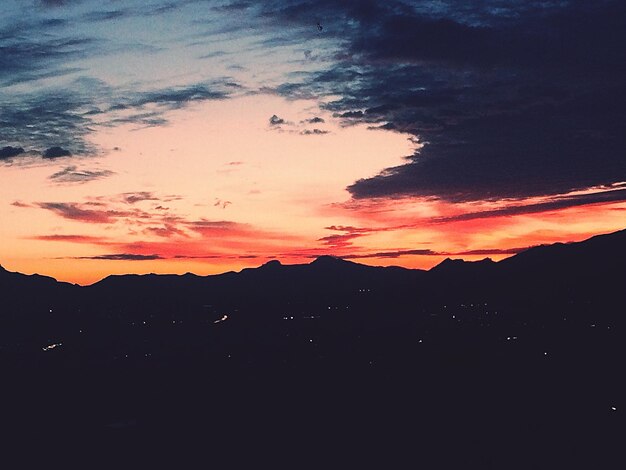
<point x="382" y="400"/>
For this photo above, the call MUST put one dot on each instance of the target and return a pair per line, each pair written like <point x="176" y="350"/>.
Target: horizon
<point x="313" y="260"/>
<point x="208" y="137"/>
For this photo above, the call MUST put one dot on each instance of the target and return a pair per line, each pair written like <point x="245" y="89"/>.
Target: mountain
<point x="592" y="267"/>
<point x="22" y="293"/>
<point x="475" y="352"/>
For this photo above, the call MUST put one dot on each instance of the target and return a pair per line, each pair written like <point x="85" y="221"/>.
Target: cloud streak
<point x="71" y="174"/>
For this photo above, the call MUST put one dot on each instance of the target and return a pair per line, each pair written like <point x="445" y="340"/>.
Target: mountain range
<point x="468" y="365"/>
<point x="592" y="268"/>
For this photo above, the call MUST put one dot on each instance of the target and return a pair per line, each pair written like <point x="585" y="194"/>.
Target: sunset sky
<point x="206" y="136"/>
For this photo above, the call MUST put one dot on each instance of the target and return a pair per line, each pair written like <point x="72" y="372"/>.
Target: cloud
<point x="393" y="254"/>
<point x="221" y="203"/>
<point x="64" y="117"/>
<point x="26" y="58"/>
<point x="175" y="97"/>
<point x="167" y="231"/>
<point x="71" y="174"/>
<point x="99" y="16"/>
<point x="523" y="100"/>
<point x="121" y="257"/>
<point x="40" y="118"/>
<point x="313" y="132"/>
<point x="55" y="3"/>
<point x="315" y="120"/>
<point x="56" y="152"/>
<point x="20" y="204"/>
<point x="139" y="196"/>
<point x="427" y="252"/>
<point x="233" y="6"/>
<point x="70" y="238"/>
<point x="276" y="121"/>
<point x="340" y="240"/>
<point x="556" y="203"/>
<point x="73" y="211"/>
<point x="9" y="152"/>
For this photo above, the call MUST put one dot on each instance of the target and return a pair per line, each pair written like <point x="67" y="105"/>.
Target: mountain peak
<point x="328" y="260"/>
<point x="274" y="263"/>
<point x="450" y="264"/>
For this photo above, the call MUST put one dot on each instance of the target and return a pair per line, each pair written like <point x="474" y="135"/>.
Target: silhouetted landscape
<point x="497" y="363"/>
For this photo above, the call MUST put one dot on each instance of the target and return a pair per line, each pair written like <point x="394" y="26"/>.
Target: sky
<point x="207" y="136"/>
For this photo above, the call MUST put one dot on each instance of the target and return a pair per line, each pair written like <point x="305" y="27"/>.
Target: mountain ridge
<point x="588" y="250"/>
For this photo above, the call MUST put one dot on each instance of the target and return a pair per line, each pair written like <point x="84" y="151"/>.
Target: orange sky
<point x="218" y="189"/>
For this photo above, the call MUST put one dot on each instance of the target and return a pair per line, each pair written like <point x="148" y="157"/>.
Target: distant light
<point x="613" y="408"/>
<point x="545" y="353"/>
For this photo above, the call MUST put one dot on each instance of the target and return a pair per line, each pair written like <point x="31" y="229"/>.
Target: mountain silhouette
<point x="479" y="360"/>
<point x="594" y="265"/>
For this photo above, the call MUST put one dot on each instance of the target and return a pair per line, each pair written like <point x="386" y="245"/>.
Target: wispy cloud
<point x="121" y="257"/>
<point x="71" y="174"/>
<point x="556" y="203"/>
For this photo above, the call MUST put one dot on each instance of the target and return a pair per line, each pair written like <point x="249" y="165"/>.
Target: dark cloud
<point x="122" y="257"/>
<point x="139" y="196"/>
<point x="71" y="174"/>
<point x="340" y="240"/>
<point x="96" y="212"/>
<point x="166" y="231"/>
<point x="39" y="55"/>
<point x="9" y="152"/>
<point x="56" y="152"/>
<point x="47" y="117"/>
<point x="55" y="3"/>
<point x="510" y="100"/>
<point x="315" y="120"/>
<point x="74" y="211"/>
<point x="176" y="97"/>
<point x="69" y="238"/>
<point x="313" y="132"/>
<point x="65" y="117"/>
<point x="557" y="203"/>
<point x="233" y="6"/>
<point x="221" y="203"/>
<point x="393" y="254"/>
<point x="276" y="121"/>
<point x="426" y="252"/>
<point x="98" y="16"/>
